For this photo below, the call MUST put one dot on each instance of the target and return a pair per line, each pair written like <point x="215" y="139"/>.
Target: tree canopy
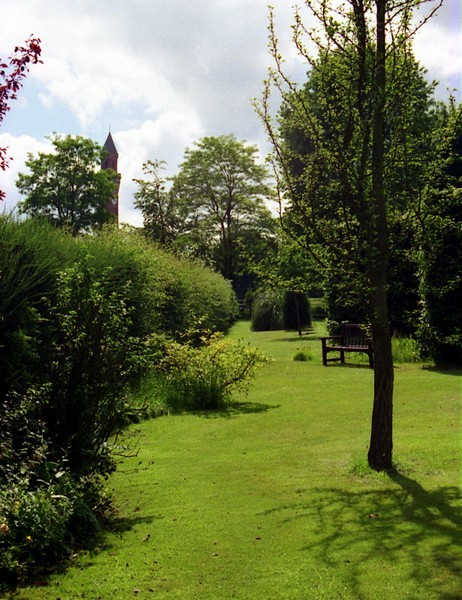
<point x="341" y="180"/>
<point x="67" y="187"/>
<point x="215" y="209"/>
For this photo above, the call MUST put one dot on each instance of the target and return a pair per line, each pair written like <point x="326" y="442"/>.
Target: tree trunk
<point x="381" y="442"/>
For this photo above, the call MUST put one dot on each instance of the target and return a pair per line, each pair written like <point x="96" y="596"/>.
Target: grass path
<point x="273" y="499"/>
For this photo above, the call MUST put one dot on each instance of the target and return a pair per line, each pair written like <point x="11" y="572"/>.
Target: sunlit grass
<point x="274" y="499"/>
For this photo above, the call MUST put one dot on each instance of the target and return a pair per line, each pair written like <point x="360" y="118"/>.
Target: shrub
<point x="296" y="311"/>
<point x="204" y="378"/>
<point x="267" y="311"/>
<point x="31" y="254"/>
<point x="93" y="357"/>
<point x="80" y="321"/>
<point x="170" y="295"/>
<point x="303" y="355"/>
<point x="405" y="350"/>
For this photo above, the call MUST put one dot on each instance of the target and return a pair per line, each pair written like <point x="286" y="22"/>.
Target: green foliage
<point x="67" y="187"/>
<point x="266" y="312"/>
<point x="93" y="356"/>
<point x="303" y="355"/>
<point x="325" y="145"/>
<point x="34" y="524"/>
<point x="440" y="330"/>
<point x="30" y="257"/>
<point x="219" y="195"/>
<point x="405" y="350"/>
<point x="296" y="311"/>
<point x="81" y="320"/>
<point x="204" y="377"/>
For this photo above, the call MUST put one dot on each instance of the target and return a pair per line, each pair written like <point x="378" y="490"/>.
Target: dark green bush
<point x="267" y="311"/>
<point x="296" y="311"/>
<point x="80" y="321"/>
<point x="277" y="309"/>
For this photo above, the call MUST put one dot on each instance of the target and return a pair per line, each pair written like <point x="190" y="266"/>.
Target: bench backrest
<point x="353" y="335"/>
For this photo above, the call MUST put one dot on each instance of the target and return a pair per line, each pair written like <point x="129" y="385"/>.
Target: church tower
<point x="110" y="162"/>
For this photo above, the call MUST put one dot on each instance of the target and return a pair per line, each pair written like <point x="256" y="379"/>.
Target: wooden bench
<point x="352" y="338"/>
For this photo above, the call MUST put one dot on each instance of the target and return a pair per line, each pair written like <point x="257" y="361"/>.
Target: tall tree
<point x="67" y="187"/>
<point x="338" y="201"/>
<point x="410" y="122"/>
<point x="440" y="331"/>
<point x="220" y="192"/>
<point x="160" y="218"/>
<point x="11" y="76"/>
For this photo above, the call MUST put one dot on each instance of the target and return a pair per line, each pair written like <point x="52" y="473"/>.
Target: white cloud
<point x="438" y="46"/>
<point x="162" y="73"/>
<point x="17" y="148"/>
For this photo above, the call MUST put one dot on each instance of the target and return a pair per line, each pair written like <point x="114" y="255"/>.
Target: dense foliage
<point x="82" y="319"/>
<point x="215" y="209"/>
<point x="67" y="187"/>
<point x="440" y="330"/>
<point x="274" y="309"/>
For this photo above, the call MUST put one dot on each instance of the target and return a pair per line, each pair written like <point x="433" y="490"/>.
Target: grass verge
<point x="273" y="498"/>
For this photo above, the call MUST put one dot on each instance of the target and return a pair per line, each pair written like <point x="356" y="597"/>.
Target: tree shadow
<point x="307" y="336"/>
<point x="349" y="365"/>
<point x="405" y="525"/>
<point x="93" y="544"/>
<point x="443" y="370"/>
<point x="235" y="409"/>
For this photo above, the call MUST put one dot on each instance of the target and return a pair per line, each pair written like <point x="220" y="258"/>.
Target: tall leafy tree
<point x="220" y="193"/>
<point x="67" y="187"/>
<point x="410" y="120"/>
<point x="160" y="218"/>
<point x="440" y="331"/>
<point x="11" y="75"/>
<point x="339" y="200"/>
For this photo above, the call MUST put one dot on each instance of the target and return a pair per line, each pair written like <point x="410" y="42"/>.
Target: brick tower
<point x="110" y="162"/>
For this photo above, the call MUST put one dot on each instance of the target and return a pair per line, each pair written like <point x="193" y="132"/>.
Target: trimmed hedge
<point x="81" y="320"/>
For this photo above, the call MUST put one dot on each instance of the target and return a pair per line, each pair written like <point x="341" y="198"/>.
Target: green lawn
<point x="273" y="499"/>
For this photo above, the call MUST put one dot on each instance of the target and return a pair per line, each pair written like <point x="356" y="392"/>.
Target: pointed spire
<point x="109" y="146"/>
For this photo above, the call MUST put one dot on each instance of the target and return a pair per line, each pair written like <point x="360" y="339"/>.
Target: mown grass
<point x="273" y="498"/>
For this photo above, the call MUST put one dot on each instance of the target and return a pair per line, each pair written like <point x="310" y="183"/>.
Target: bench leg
<point x="324" y="353"/>
<point x="342" y="357"/>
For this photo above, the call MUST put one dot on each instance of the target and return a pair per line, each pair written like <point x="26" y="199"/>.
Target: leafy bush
<point x="303" y="355"/>
<point x="170" y="295"/>
<point x="93" y="357"/>
<point x="30" y="257"/>
<point x="81" y="320"/>
<point x="204" y="378"/>
<point x="296" y="311"/>
<point x="267" y="311"/>
<point x="405" y="350"/>
<point x="33" y="524"/>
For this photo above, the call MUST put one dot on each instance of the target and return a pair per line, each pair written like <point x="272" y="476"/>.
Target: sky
<point x="161" y="74"/>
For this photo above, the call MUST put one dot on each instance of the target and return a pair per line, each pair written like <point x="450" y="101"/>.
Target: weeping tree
<point x="333" y="187"/>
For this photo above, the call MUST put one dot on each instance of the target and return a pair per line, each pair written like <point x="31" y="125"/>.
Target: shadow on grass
<point x="443" y="370"/>
<point x="407" y="529"/>
<point x="350" y="365"/>
<point x="235" y="409"/>
<point x="94" y="543"/>
<point x="307" y="336"/>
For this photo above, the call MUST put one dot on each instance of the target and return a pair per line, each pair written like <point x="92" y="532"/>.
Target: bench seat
<point x="352" y="338"/>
